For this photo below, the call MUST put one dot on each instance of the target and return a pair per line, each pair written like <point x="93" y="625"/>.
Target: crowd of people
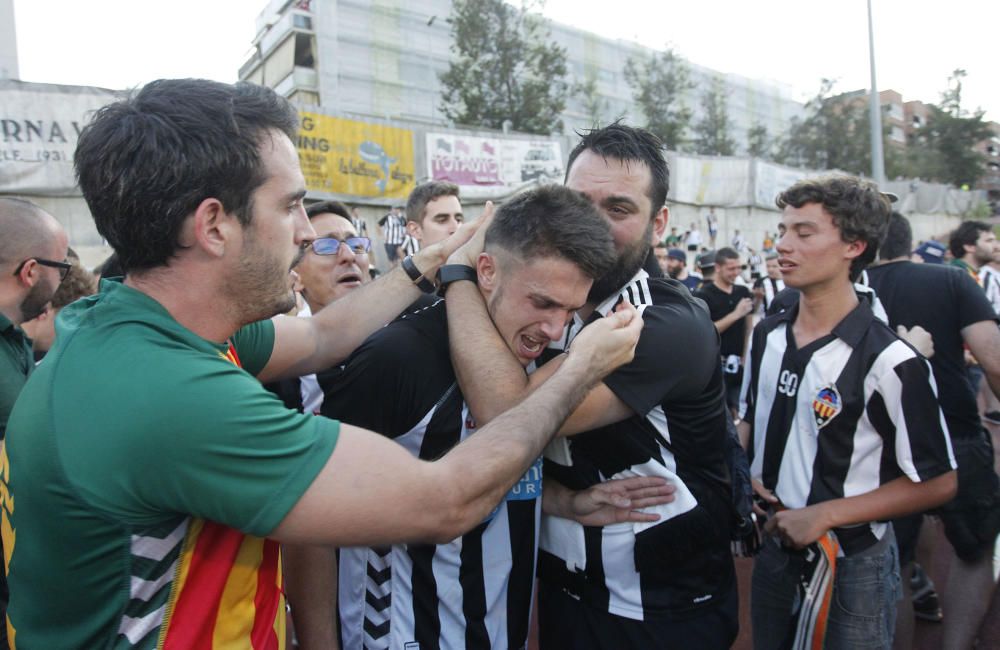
<point x="542" y="412"/>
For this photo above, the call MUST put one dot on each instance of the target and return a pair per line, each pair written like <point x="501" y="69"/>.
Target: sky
<point x="125" y="43"/>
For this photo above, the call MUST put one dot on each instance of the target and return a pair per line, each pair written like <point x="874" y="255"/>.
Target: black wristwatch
<point x="453" y="273"/>
<point x="411" y="269"/>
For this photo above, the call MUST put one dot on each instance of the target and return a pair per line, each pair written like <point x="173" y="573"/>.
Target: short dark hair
<point x="859" y="210"/>
<point x="660" y="244"/>
<point x="628" y="144"/>
<point x="898" y="240"/>
<point x="110" y="268"/>
<point x="328" y="207"/>
<point x="425" y="193"/>
<point x="966" y="234"/>
<point x="146" y="162"/>
<point x="724" y="254"/>
<point x="24" y="229"/>
<point x="553" y="220"/>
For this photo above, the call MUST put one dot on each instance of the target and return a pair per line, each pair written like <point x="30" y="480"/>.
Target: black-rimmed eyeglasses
<point x="331" y="245"/>
<point x="63" y="267"/>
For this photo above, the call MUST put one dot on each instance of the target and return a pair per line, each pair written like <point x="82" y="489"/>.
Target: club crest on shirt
<point x="826" y="405"/>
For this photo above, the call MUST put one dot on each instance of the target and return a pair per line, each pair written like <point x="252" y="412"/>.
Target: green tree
<point x="833" y="134"/>
<point x="943" y="149"/>
<point x="503" y="67"/>
<point x="658" y="87"/>
<point x="758" y="142"/>
<point x="594" y="105"/>
<point x="711" y="133"/>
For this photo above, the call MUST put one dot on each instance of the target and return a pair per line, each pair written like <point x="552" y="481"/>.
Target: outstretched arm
<point x="372" y="491"/>
<point x="493" y="380"/>
<point x="307" y="345"/>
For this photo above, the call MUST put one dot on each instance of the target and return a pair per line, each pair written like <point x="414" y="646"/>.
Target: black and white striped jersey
<point x="990" y="277"/>
<point x="674" y="385"/>
<point x="771" y="288"/>
<point x="841" y="416"/>
<point x="360" y="226"/>
<point x="789" y="296"/>
<point x="474" y="592"/>
<point x="394" y="229"/>
<point x="410" y="245"/>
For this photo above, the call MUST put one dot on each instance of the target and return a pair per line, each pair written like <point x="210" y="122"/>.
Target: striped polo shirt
<point x="853" y="410"/>
<point x="473" y="592"/>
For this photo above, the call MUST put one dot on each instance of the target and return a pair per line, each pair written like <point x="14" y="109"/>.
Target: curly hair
<point x="859" y="210"/>
<point x="78" y="283"/>
<point x="967" y="234"/>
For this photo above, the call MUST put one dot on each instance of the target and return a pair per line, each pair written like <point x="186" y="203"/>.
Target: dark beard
<point x="36" y="301"/>
<point x="625" y="268"/>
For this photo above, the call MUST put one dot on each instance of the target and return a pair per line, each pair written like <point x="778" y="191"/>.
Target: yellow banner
<point x="349" y="157"/>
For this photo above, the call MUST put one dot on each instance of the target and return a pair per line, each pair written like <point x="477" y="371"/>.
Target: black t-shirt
<point x="720" y="304"/>
<point x="674" y="386"/>
<point x="942" y="300"/>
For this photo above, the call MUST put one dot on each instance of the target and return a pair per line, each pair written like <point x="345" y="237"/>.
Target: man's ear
<point x="29" y="273"/>
<point x="487" y="271"/>
<point x="414" y="230"/>
<point x="210" y="228"/>
<point x="856" y="248"/>
<point x="660" y="220"/>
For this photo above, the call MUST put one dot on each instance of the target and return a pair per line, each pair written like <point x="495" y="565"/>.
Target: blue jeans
<point x="865" y="592"/>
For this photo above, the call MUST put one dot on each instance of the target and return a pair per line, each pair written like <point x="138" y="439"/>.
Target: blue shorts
<point x="866" y="590"/>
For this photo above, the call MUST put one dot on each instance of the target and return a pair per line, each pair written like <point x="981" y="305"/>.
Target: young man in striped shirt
<point x="541" y="253"/>
<point x="393" y="227"/>
<point x="664" y="584"/>
<point x="841" y="421"/>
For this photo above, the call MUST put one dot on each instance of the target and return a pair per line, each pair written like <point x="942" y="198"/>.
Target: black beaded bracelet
<point x="453" y="273"/>
<point x="411" y="269"/>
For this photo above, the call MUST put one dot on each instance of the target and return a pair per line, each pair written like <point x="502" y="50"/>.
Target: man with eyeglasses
<point x="31" y="242"/>
<point x="33" y="249"/>
<point x="337" y="261"/>
<point x="334" y="264"/>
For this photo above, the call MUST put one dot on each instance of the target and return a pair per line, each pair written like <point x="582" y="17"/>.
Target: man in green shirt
<point x="33" y="250"/>
<point x="32" y="264"/>
<point x="148" y="477"/>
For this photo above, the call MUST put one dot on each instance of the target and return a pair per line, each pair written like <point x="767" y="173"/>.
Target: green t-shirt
<point x="15" y="366"/>
<point x="142" y="469"/>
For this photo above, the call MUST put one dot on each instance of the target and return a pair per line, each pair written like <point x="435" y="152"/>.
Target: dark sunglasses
<point x="63" y="267"/>
<point x="331" y="245"/>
